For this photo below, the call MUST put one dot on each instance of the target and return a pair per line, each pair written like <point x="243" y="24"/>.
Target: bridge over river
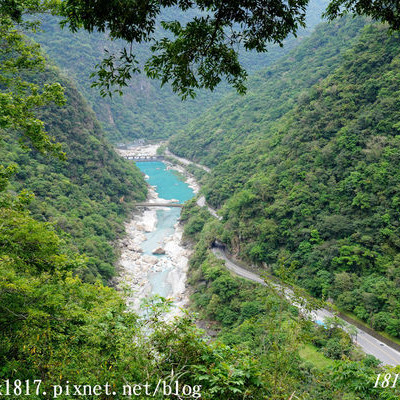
<point x="159" y="205"/>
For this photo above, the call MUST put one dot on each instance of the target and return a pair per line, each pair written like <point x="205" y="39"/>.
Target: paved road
<point x="368" y="343"/>
<point x="186" y="161"/>
<point x="201" y="202"/>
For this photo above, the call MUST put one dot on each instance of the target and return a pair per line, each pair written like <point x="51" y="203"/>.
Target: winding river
<point x="168" y="187"/>
<point x="142" y="272"/>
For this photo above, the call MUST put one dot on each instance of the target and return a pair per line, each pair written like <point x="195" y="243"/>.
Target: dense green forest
<point x="311" y="195"/>
<point x="314" y="186"/>
<point x="272" y="92"/>
<point x="145" y="110"/>
<point x="296" y="356"/>
<point x="58" y="330"/>
<point x="88" y="196"/>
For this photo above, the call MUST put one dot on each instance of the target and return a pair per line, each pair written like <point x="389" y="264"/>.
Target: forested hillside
<point x="146" y="110"/>
<point x="295" y="356"/>
<point x="56" y="329"/>
<point x="272" y="92"/>
<point x="87" y="197"/>
<point x="61" y="337"/>
<point x="316" y="191"/>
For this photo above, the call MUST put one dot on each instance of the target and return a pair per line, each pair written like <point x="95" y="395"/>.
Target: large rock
<point x="149" y="260"/>
<point x="158" y="251"/>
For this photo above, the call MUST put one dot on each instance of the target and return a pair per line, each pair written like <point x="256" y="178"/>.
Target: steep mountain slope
<point x="317" y="192"/>
<point x="272" y="92"/>
<point x="89" y="195"/>
<point x="145" y="110"/>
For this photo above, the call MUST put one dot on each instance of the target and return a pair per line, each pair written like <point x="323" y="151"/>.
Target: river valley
<point x="156" y="230"/>
<point x="146" y="274"/>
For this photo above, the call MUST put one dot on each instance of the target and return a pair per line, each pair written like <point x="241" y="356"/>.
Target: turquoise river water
<point x="169" y="187"/>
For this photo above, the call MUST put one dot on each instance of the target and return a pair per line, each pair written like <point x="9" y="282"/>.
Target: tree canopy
<point x="19" y="99"/>
<point x="196" y="54"/>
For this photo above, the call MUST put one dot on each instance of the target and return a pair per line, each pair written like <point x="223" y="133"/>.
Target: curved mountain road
<point x="368" y="343"/>
<point x="185" y="161"/>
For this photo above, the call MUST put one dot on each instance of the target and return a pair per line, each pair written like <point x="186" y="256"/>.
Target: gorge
<point x="303" y="170"/>
<point x="154" y="229"/>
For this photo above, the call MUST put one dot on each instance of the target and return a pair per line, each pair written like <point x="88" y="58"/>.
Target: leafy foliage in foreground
<point x="317" y="191"/>
<point x="57" y="329"/>
<point x="60" y="330"/>
<point x="193" y="55"/>
<point x="204" y="51"/>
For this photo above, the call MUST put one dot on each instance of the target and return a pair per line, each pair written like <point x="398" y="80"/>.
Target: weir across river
<point x="144" y="158"/>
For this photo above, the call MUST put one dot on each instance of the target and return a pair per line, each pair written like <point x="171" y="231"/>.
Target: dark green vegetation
<point x="314" y="184"/>
<point x="257" y="320"/>
<point x="272" y="92"/>
<point x="192" y="54"/>
<point x="146" y="110"/>
<point x="203" y="50"/>
<point x="87" y="196"/>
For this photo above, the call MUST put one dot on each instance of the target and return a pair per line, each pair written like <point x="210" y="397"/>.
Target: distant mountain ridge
<point x="145" y="110"/>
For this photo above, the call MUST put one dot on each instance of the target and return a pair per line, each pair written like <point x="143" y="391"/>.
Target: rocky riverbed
<point x="135" y="267"/>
